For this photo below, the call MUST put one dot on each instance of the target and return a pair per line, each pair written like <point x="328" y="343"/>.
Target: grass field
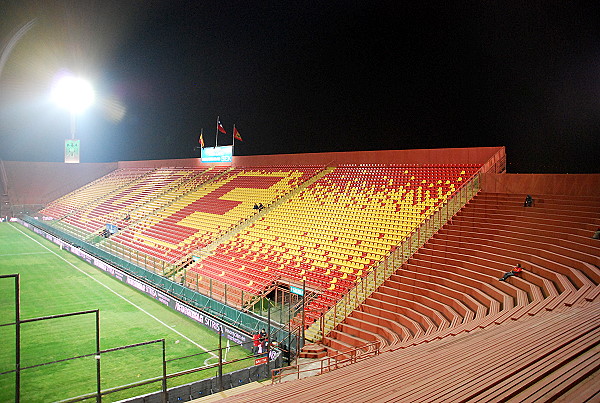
<point x="55" y="282"/>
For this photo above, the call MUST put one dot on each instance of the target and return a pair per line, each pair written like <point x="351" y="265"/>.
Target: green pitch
<point x="55" y="282"/>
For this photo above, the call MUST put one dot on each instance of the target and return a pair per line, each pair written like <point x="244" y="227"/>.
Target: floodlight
<point x="73" y="93"/>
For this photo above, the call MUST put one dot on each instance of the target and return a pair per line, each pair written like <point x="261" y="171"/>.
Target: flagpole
<point x="233" y="139"/>
<point x="217" y="134"/>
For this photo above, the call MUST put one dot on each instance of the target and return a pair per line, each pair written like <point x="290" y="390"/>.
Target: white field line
<point x="120" y="296"/>
<point x="22" y="254"/>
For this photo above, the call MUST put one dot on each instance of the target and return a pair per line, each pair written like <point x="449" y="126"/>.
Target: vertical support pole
<point x="362" y="286"/>
<point x="402" y="248"/>
<point x="282" y="302"/>
<point x="334" y="312"/>
<point x="289" y="344"/>
<point x="165" y="396"/>
<point x="220" y="377"/>
<point x="376" y="277"/>
<point x="269" y="337"/>
<point x="347" y="299"/>
<point x="303" y="312"/>
<point x="322" y="323"/>
<point x="17" y="339"/>
<point x="298" y="352"/>
<point x="73" y="125"/>
<point x="98" y="378"/>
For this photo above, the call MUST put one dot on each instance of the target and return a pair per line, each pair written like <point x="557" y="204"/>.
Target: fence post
<point x="322" y="320"/>
<point x="98" y="378"/>
<point x="220" y="372"/>
<point x="165" y="394"/>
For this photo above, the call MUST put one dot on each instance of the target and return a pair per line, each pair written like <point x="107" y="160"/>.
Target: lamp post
<point x="75" y="95"/>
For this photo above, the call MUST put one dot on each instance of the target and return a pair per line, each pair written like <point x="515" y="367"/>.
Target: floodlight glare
<point x="73" y="93"/>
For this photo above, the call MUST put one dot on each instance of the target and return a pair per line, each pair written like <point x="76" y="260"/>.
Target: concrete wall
<point x="43" y="182"/>
<point x="537" y="184"/>
<point x="476" y="155"/>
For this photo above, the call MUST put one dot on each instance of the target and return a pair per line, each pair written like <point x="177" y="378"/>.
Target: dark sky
<point x="307" y="77"/>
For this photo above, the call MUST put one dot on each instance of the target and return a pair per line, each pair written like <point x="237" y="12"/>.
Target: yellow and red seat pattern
<point x="200" y="216"/>
<point x="333" y="231"/>
<point x="98" y="189"/>
<point x="113" y="207"/>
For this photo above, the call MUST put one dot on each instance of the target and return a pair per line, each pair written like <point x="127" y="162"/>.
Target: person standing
<point x="255" y="343"/>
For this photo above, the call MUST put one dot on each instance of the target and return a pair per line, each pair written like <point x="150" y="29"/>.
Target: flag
<point x="201" y="141"/>
<point x="236" y="134"/>
<point x="220" y="126"/>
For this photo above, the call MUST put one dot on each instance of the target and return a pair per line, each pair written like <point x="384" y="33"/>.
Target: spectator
<point x="255" y="343"/>
<point x="596" y="234"/>
<point x="265" y="344"/>
<point x="528" y="201"/>
<point x="515" y="271"/>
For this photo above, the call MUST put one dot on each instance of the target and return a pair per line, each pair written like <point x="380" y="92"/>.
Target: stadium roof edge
<point x="474" y="155"/>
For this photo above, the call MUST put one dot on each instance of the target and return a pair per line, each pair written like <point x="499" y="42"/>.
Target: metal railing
<point x="326" y="364"/>
<point x="399" y="254"/>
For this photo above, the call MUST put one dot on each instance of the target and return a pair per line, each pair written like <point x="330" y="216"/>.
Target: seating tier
<point x="332" y="232"/>
<point x="460" y="267"/>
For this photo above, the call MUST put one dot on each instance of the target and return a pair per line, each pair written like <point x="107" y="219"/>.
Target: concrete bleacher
<point x="547" y="358"/>
<point x="450" y="285"/>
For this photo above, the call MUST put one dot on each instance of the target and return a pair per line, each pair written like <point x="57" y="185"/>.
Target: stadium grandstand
<point x="386" y="264"/>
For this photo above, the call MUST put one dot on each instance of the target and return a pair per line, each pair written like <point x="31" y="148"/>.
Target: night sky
<point x="306" y="76"/>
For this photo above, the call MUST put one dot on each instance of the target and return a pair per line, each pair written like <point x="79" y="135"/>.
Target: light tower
<point x="75" y="95"/>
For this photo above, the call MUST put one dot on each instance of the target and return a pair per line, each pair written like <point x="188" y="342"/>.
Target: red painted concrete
<point x="43" y="182"/>
<point x="476" y="155"/>
<point x="548" y="184"/>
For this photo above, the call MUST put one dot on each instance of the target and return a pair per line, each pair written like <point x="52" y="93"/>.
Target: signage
<point x="261" y="360"/>
<point x="71" y="151"/>
<point x="217" y="154"/>
<point x="296" y="290"/>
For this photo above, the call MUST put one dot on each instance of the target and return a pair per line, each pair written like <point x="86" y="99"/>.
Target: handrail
<point x="399" y="255"/>
<point x="330" y="363"/>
